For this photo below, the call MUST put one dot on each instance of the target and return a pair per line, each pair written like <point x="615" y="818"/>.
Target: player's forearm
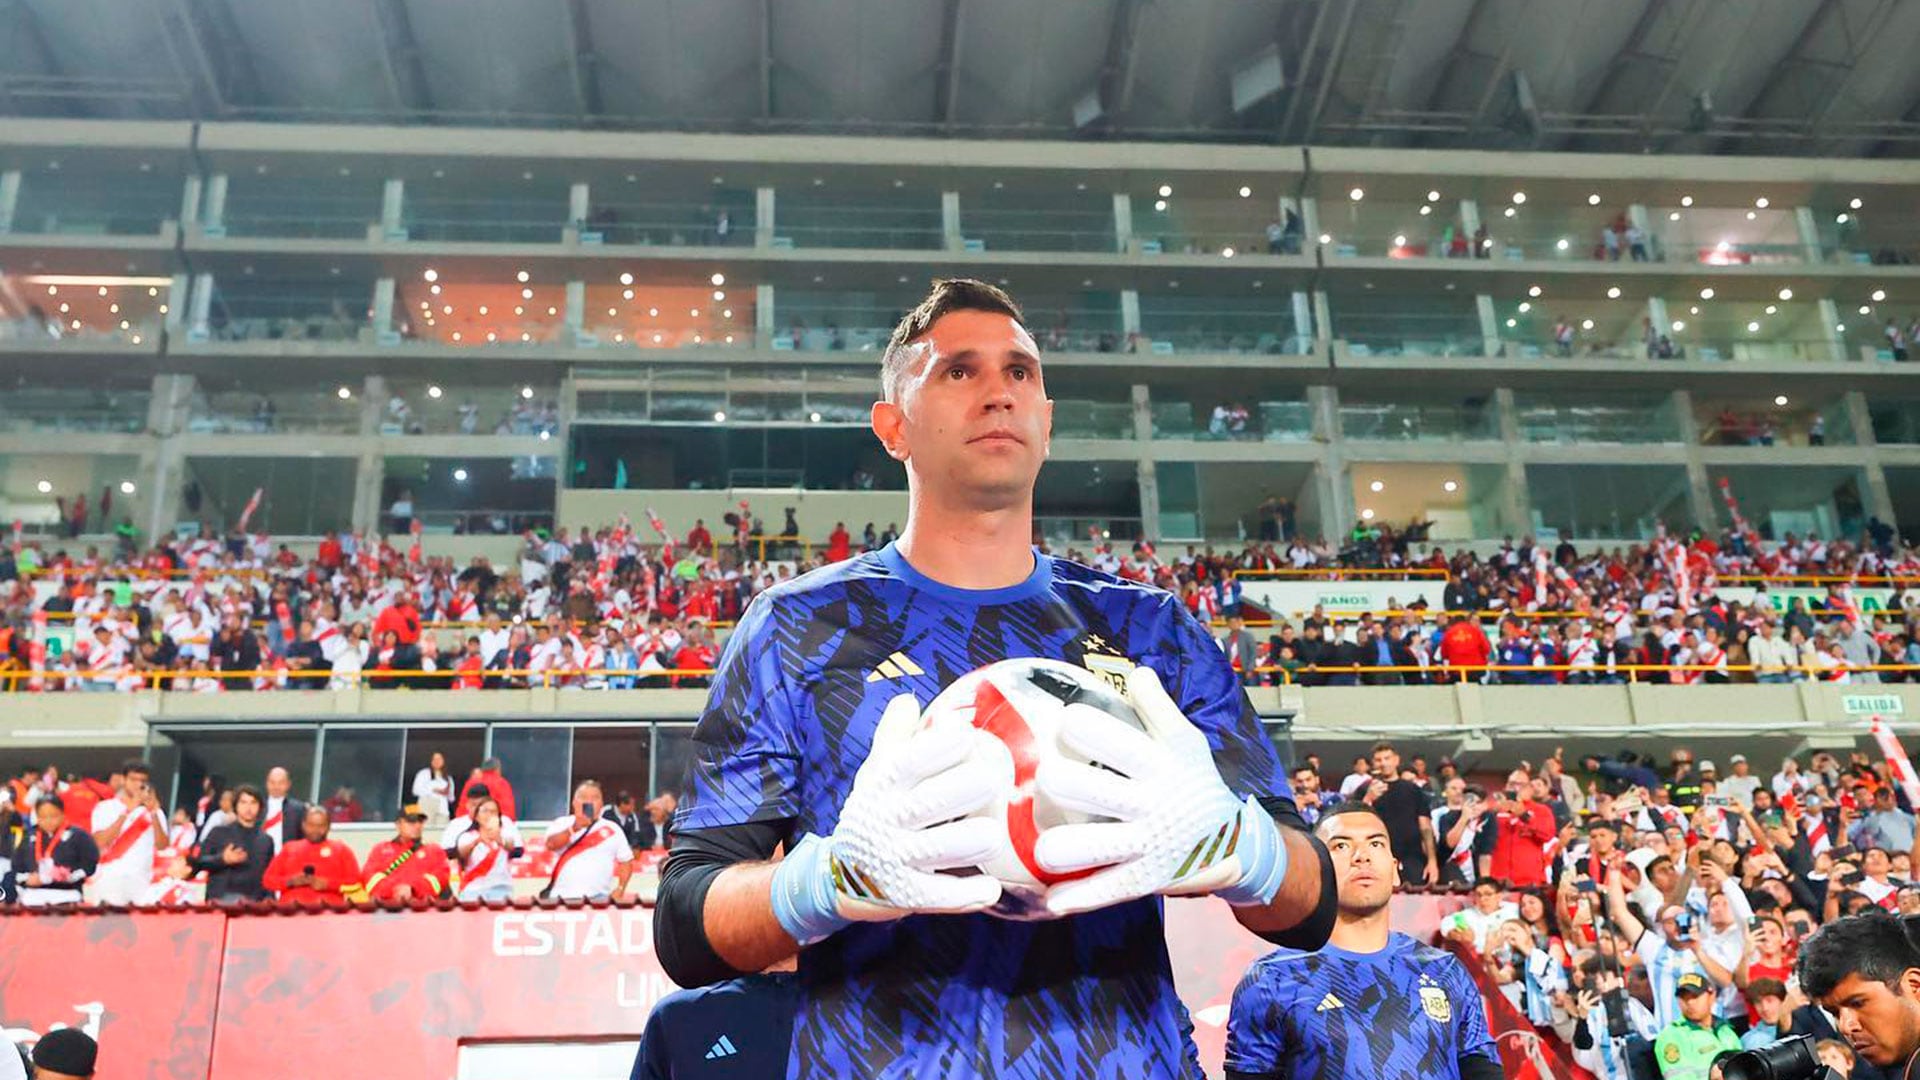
<point x="739" y="920"/>
<point x="1300" y="895"/>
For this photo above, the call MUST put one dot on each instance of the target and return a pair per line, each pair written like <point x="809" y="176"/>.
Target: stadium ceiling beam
<point x="400" y="55"/>
<point x="1330" y="70"/>
<point x="1634" y="48"/>
<point x="27" y="24"/>
<point x="766" y="59"/>
<point x="1117" y="69"/>
<point x="178" y="32"/>
<point x="1459" y="54"/>
<point x="1796" y="60"/>
<point x="946" y="85"/>
<point x="1297" y="90"/>
<point x="583" y="59"/>
<point x="1857" y="45"/>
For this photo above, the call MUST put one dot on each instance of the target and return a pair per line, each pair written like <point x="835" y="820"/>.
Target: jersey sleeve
<point x="1256" y="1035"/>
<point x="745" y="754"/>
<point x="1471" y="1038"/>
<point x="1209" y="692"/>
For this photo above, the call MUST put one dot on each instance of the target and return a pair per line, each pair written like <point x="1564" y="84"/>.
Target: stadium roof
<point x="1806" y="77"/>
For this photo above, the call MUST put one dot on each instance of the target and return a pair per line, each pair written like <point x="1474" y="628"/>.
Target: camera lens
<point x="1788" y="1059"/>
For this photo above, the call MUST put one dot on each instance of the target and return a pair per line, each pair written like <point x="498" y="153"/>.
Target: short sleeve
<point x="1470" y="1030"/>
<point x="104" y="815"/>
<point x="622" y="851"/>
<point x="745" y="764"/>
<point x="1256" y="1030"/>
<point x="1206" y="688"/>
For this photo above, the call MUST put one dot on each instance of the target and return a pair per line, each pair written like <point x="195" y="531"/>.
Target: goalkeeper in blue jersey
<point x="1373" y="1004"/>
<point x="811" y="743"/>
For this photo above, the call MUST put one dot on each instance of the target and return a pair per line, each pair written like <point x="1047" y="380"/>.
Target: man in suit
<point x="1243" y="651"/>
<point x="626" y="814"/>
<point x="281" y="819"/>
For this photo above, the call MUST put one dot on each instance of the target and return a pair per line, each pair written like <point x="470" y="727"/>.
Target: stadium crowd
<point x="1646" y="911"/>
<point x="611" y="608"/>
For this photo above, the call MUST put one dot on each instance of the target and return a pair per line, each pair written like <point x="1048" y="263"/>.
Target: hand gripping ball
<point x="1016" y="706"/>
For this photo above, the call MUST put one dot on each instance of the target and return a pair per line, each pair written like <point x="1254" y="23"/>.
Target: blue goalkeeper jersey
<point x="799" y="691"/>
<point x="1407" y="1012"/>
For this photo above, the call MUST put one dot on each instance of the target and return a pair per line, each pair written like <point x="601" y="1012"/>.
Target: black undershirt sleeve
<point x="679" y="916"/>
<point x="1312" y="932"/>
<point x="1236" y="1074"/>
<point x="1478" y="1067"/>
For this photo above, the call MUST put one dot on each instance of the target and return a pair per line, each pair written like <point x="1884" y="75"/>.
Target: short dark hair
<point x="1347" y="808"/>
<point x="1489" y="883"/>
<point x="56" y="801"/>
<point x="135" y="767"/>
<point x="1760" y="988"/>
<point x="1383" y="745"/>
<point x="1873" y="945"/>
<point x="947" y="295"/>
<point x="248" y="791"/>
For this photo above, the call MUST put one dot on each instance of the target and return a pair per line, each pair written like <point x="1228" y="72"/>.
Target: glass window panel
<point x="234" y="756"/>
<point x="463" y="747"/>
<point x="360" y="773"/>
<point x="615" y="756"/>
<point x="537" y="761"/>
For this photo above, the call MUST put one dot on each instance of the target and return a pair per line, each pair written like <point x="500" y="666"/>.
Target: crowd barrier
<point x="648" y="678"/>
<point x="233" y="994"/>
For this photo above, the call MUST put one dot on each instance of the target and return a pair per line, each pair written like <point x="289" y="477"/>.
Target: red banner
<point x="145" y="986"/>
<point x="408" y="988"/>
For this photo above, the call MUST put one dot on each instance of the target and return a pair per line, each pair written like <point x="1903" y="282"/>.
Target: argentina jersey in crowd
<point x="1408" y="1011"/>
<point x="790" y="718"/>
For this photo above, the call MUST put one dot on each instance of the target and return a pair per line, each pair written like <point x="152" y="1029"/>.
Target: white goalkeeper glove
<point x="1177" y="829"/>
<point x="881" y="861"/>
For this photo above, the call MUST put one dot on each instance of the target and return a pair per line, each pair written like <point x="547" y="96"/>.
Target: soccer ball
<point x="1015" y="707"/>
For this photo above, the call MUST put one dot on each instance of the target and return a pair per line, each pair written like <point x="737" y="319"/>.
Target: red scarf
<point x="128" y="835"/>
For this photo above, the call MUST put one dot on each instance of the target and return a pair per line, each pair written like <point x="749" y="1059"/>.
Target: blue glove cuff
<point x="1263" y="857"/>
<point x="804" y="900"/>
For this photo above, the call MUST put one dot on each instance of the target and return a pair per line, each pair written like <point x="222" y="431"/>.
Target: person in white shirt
<point x="594" y="861"/>
<point x="485" y="854"/>
<point x="460" y="826"/>
<point x="1741" y="785"/>
<point x="1480" y="920"/>
<point x="494" y="636"/>
<point x="433" y="789"/>
<point x="127" y="829"/>
<point x="1790" y="780"/>
<point x="281" y="818"/>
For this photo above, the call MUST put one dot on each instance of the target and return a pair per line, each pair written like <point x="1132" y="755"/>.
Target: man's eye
<point x="1022" y="373"/>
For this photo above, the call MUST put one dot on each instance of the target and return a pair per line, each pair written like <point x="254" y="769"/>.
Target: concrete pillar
<point x="1830" y="329"/>
<point x="576" y="313"/>
<point x="950" y="233"/>
<point x="1304" y="337"/>
<point x="1122" y="222"/>
<point x="200" y="306"/>
<point x="177" y="297"/>
<point x="1809" y="234"/>
<point x="1332" y="480"/>
<point x="1142" y="414"/>
<point x="763" y="315"/>
<point x="1489" y="324"/>
<point x="1129" y="311"/>
<point x="1506" y="417"/>
<point x="1700" y="500"/>
<point x="566" y="409"/>
<point x="213" y="215"/>
<point x="763" y="211"/>
<point x="1876" y="495"/>
<point x="1469" y="217"/>
<point x="1515" y="506"/>
<point x="1149" y="476"/>
<point x="1310" y="220"/>
<point x="9" y="198"/>
<point x="168" y="411"/>
<point x="579" y="204"/>
<point x="1322" y="316"/>
<point x="1860" y="419"/>
<point x="393" y="209"/>
<point x="1657" y="315"/>
<point x="373" y="404"/>
<point x="1324" y="402"/>
<point x="191" y="193"/>
<point x="368" y="474"/>
<point x="383" y="307"/>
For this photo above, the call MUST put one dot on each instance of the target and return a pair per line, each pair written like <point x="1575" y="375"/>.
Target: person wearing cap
<point x="405" y="867"/>
<point x="1684" y="788"/>
<point x="65" y="1054"/>
<point x="1741" y="783"/>
<point x="1686" y="1047"/>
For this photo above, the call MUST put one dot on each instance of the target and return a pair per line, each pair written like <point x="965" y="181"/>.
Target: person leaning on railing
<point x="1772" y="655"/>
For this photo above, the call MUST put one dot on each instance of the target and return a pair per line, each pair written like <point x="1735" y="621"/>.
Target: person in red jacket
<point x="330" y="554"/>
<point x="488" y="775"/>
<point x="839" y="544"/>
<point x="1523" y="829"/>
<point x="1464" y="644"/>
<point x="402" y="618"/>
<point x="314" y="868"/>
<point x="406" y="867"/>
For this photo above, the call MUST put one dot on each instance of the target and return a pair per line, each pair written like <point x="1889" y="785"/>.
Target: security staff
<point x="405" y="867"/>
<point x="1686" y="1049"/>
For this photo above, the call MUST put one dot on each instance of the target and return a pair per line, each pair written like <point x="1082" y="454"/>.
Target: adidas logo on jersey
<point x="722" y="1048"/>
<point x="1329" y="1003"/>
<point x="896" y="666"/>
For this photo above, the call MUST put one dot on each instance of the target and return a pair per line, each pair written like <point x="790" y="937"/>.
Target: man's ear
<point x="889" y="426"/>
<point x="1910" y="984"/>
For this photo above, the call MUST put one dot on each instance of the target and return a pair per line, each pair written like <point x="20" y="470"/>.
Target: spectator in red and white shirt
<point x="127" y="830"/>
<point x="594" y="860"/>
<point x="485" y="854"/>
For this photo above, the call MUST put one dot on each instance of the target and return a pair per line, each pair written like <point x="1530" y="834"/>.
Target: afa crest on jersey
<point x="1434" y="1001"/>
